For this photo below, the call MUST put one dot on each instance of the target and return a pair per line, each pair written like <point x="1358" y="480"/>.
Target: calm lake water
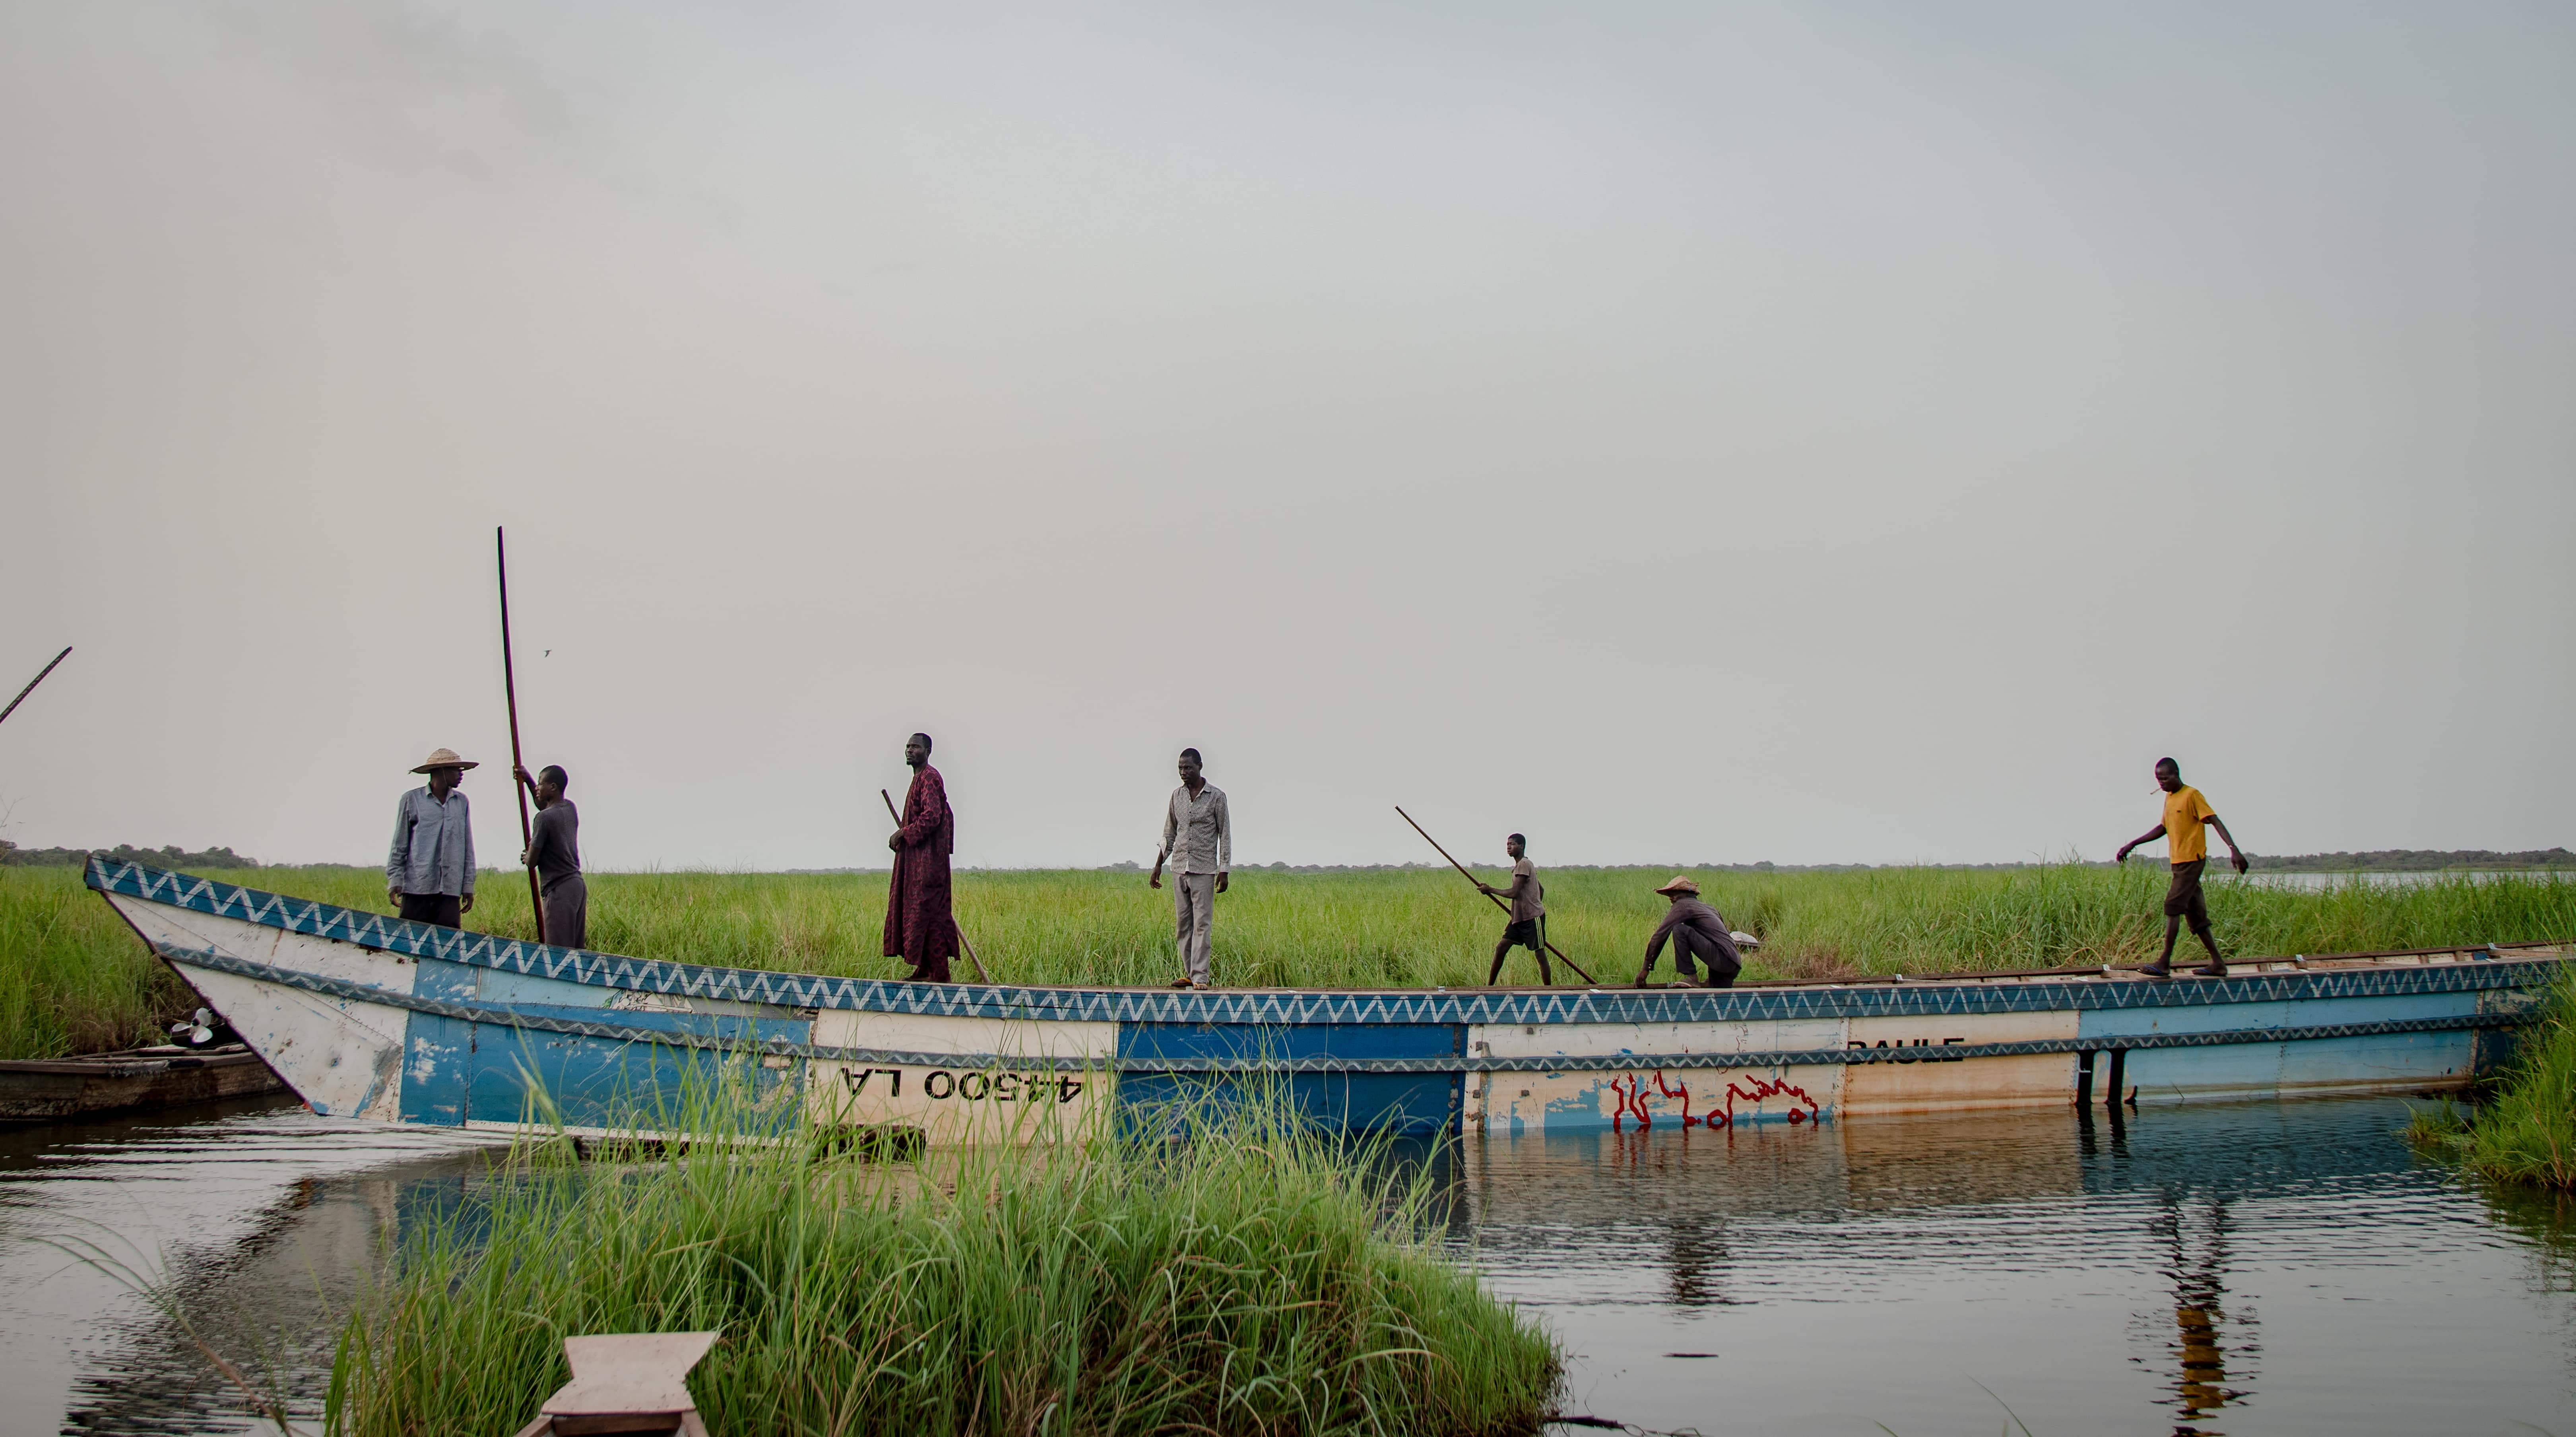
<point x="2396" y="878"/>
<point x="2247" y="1268"/>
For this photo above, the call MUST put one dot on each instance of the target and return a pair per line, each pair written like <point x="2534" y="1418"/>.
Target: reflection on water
<point x="2256" y="1268"/>
<point x="262" y="1219"/>
<point x="2199" y="1276"/>
<point x="2259" y="1268"/>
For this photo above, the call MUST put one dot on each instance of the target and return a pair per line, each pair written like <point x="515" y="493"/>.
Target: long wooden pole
<point x="31" y="683"/>
<point x="510" y="689"/>
<point x="1480" y="887"/>
<point x="980" y="974"/>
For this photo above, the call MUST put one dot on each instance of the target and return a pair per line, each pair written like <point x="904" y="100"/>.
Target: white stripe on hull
<point x="961" y="1105"/>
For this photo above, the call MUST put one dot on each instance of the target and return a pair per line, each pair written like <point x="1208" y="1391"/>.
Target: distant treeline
<point x="2384" y="860"/>
<point x="168" y="856"/>
<point x="1481" y="861"/>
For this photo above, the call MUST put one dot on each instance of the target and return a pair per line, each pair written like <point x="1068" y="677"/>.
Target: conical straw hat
<point x="443" y="758"/>
<point x="1679" y="885"/>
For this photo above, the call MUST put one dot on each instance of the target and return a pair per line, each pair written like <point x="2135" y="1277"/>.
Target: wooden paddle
<point x="952" y="917"/>
<point x="1498" y="903"/>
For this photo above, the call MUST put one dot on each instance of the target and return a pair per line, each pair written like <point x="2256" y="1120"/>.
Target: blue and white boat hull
<point x="372" y="1017"/>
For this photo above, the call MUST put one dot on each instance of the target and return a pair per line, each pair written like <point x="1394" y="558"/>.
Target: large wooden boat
<point x="372" y="1017"/>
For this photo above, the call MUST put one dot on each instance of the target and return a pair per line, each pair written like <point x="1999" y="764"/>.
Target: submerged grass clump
<point x="1247" y="1276"/>
<point x="2525" y="1129"/>
<point x="84" y="980"/>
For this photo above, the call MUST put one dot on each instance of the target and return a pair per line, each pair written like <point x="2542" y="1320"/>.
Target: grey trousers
<point x="1722" y="962"/>
<point x="568" y="912"/>
<point x="1194" y="909"/>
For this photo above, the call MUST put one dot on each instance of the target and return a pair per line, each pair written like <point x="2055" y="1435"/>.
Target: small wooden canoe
<point x="53" y="1089"/>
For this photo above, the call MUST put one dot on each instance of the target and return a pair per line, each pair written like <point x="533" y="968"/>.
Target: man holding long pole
<point x="554" y="851"/>
<point x="920" y="923"/>
<point x="1490" y="894"/>
<point x="1526" y="925"/>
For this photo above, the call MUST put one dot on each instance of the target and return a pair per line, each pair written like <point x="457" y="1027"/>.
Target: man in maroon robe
<point x="919" y="924"/>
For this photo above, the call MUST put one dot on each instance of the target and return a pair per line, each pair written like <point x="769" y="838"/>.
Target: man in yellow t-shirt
<point x="2188" y="849"/>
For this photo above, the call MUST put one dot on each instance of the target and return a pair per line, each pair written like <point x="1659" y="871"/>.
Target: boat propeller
<point x="196" y="1029"/>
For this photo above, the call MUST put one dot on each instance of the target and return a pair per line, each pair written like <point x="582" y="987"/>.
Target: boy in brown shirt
<point x="1528" y="925"/>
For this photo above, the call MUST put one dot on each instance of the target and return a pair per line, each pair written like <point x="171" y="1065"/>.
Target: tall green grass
<point x="1251" y="1276"/>
<point x="1398" y="928"/>
<point x="73" y="977"/>
<point x="2524" y="1129"/>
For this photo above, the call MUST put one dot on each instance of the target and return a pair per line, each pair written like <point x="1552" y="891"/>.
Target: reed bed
<point x="86" y="981"/>
<point x="1236" y="1272"/>
<point x="2524" y="1129"/>
<point x="73" y="977"/>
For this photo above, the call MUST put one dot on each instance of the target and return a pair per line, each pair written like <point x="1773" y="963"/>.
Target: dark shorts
<point x="2184" y="899"/>
<point x="1523" y="933"/>
<point x="442" y="909"/>
<point x="568" y="912"/>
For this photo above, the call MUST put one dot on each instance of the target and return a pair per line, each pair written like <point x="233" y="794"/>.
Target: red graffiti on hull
<point x="1630" y="1092"/>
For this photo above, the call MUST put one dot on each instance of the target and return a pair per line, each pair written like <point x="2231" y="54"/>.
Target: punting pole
<point x="952" y="917"/>
<point x="510" y="690"/>
<point x="31" y="683"/>
<point x="1498" y="903"/>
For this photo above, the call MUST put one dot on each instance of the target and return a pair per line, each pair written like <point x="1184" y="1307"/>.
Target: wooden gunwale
<point x="45" y="1090"/>
<point x="134" y="1062"/>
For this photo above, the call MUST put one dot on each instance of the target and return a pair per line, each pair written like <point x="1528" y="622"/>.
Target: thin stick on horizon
<point x="31" y="684"/>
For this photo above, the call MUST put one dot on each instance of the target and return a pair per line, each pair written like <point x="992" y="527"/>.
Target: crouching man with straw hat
<point x="429" y="875"/>
<point x="1694" y="928"/>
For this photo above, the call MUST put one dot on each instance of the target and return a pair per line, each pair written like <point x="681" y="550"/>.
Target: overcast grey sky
<point x="1687" y="432"/>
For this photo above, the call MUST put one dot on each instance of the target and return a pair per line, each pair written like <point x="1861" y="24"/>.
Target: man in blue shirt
<point x="429" y="874"/>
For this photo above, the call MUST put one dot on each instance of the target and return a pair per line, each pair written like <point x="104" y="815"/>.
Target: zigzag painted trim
<point x="504" y="1017"/>
<point x="1120" y="1005"/>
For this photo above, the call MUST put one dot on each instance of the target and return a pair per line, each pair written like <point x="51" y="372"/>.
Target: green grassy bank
<point x="2523" y="1130"/>
<point x="73" y="978"/>
<point x="1254" y="1278"/>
